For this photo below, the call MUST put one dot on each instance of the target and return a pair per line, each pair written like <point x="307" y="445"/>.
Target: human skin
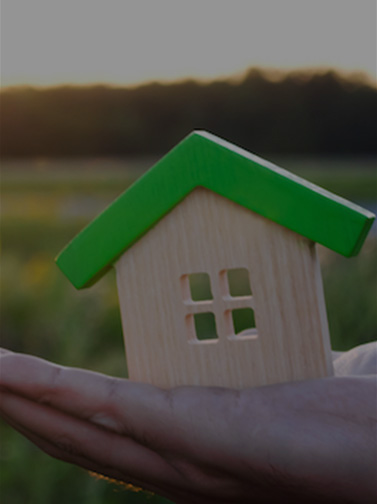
<point x="309" y="441"/>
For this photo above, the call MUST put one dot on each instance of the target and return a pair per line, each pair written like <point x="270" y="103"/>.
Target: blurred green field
<point x="42" y="207"/>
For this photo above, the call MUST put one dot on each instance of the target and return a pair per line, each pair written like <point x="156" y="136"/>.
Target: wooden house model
<point x="218" y="278"/>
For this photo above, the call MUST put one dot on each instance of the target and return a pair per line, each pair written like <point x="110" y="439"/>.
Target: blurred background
<point x="94" y="92"/>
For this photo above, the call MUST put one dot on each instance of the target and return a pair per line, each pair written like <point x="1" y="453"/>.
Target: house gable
<point x="204" y="160"/>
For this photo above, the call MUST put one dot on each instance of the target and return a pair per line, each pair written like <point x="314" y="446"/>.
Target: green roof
<point x="202" y="159"/>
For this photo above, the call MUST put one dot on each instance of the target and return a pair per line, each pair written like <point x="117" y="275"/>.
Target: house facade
<point x="172" y="339"/>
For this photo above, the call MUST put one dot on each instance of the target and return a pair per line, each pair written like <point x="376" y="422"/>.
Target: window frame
<point x="222" y="304"/>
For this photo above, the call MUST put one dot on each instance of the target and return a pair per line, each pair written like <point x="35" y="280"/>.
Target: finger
<point x="95" y="449"/>
<point x="335" y="355"/>
<point x="4" y="351"/>
<point x="82" y="443"/>
<point x="53" y="449"/>
<point x="84" y="394"/>
<point x="57" y="452"/>
<point x="137" y="410"/>
<point x="361" y="360"/>
<point x="182" y="421"/>
<point x="75" y="391"/>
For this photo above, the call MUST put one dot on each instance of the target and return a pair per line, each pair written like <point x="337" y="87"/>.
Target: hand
<point x="312" y="440"/>
<point x="361" y="360"/>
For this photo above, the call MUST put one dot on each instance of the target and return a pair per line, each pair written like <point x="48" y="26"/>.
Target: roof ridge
<point x="202" y="159"/>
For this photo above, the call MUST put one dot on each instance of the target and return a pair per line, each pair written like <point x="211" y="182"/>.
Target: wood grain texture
<point x="208" y="233"/>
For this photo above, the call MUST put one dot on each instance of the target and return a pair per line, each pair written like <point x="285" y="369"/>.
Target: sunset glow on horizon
<point x="128" y="42"/>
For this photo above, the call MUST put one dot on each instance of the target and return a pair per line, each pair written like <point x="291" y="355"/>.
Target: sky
<point x="126" y="42"/>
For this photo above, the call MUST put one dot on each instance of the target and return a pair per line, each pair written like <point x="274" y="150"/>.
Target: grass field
<point x="44" y="204"/>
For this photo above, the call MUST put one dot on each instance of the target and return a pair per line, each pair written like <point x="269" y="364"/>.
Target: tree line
<point x="299" y="113"/>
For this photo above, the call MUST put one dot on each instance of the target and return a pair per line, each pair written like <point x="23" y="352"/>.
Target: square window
<point x="200" y="286"/>
<point x="244" y="322"/>
<point x="238" y="282"/>
<point x="205" y="326"/>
